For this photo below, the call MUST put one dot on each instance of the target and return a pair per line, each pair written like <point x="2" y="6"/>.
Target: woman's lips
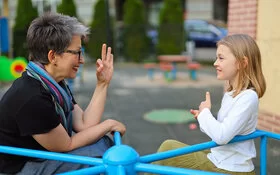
<point x="76" y="68"/>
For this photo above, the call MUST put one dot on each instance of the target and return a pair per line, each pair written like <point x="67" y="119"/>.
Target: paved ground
<point x="131" y="95"/>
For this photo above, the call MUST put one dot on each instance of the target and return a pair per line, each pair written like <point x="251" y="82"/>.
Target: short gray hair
<point x="52" y="31"/>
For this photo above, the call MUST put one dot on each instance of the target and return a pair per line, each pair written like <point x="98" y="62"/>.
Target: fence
<point x="122" y="159"/>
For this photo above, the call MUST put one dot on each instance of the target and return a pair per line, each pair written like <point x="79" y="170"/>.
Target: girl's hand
<point x="195" y="113"/>
<point x="104" y="66"/>
<point x="206" y="103"/>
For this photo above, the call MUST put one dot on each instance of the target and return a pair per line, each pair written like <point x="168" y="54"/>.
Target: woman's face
<point x="226" y="64"/>
<point x="70" y="61"/>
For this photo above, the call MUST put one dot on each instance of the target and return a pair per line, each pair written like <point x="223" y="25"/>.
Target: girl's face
<point x="226" y="65"/>
<point x="71" y="59"/>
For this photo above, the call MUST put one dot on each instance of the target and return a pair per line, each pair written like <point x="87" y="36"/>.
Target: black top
<point x="26" y="109"/>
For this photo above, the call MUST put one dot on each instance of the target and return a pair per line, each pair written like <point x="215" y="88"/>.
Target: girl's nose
<point x="216" y="63"/>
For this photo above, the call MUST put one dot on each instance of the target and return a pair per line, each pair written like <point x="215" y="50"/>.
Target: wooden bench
<point x="151" y="69"/>
<point x="173" y="59"/>
<point x="166" y="68"/>
<point x="193" y="67"/>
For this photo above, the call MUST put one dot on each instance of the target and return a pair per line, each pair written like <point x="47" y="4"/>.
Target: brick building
<point x="257" y="19"/>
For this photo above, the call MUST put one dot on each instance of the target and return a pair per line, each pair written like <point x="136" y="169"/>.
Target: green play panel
<point x="169" y="116"/>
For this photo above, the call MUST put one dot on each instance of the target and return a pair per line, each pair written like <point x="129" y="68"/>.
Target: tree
<point x="25" y="13"/>
<point x="171" y="38"/>
<point x="100" y="29"/>
<point x="136" y="41"/>
<point x="67" y="7"/>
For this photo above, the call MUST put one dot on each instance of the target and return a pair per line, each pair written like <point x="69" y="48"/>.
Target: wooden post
<point x="5" y="8"/>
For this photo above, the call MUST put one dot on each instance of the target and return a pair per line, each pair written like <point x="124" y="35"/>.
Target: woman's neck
<point x="53" y="73"/>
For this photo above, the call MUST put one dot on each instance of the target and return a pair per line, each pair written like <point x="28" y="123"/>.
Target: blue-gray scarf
<point x="60" y="93"/>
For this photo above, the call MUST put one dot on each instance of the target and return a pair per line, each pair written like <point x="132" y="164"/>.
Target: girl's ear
<point x="245" y="62"/>
<point x="51" y="57"/>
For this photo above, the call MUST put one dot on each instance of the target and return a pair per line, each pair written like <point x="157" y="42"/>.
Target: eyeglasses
<point x="75" y="52"/>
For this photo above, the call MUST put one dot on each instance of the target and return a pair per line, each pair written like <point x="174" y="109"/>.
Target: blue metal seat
<point x="122" y="159"/>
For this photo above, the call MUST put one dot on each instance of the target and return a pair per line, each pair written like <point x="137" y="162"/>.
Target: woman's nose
<point x="82" y="59"/>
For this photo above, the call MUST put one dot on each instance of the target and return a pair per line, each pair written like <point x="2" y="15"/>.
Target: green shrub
<point x="25" y="13"/>
<point x="67" y="7"/>
<point x="171" y="38"/>
<point x="136" y="42"/>
<point x="100" y="31"/>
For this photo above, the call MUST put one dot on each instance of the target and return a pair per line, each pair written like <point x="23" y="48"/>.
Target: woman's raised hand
<point x="104" y="66"/>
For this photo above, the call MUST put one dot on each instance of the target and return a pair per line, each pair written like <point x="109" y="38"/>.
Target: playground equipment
<point x="193" y="67"/>
<point x="4" y="35"/>
<point x="11" y="69"/>
<point x="122" y="159"/>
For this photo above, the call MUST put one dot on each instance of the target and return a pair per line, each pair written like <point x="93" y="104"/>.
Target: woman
<point x="39" y="111"/>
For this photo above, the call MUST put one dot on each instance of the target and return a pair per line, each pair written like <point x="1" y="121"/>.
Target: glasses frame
<point x="75" y="52"/>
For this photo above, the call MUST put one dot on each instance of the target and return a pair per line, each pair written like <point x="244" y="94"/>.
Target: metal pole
<point x="108" y="24"/>
<point x="263" y="156"/>
<point x="53" y="5"/>
<point x="6" y="14"/>
<point x="40" y="7"/>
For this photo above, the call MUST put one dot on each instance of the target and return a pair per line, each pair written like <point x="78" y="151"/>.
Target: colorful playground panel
<point x="11" y="69"/>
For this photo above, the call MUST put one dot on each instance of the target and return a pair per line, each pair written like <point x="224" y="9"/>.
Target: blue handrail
<point x="122" y="159"/>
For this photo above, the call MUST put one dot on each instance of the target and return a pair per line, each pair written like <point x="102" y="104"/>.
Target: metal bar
<point x="271" y="134"/>
<point x="117" y="138"/>
<point x="167" y="170"/>
<point x="51" y="155"/>
<point x="263" y="154"/>
<point x="194" y="148"/>
<point x="176" y="152"/>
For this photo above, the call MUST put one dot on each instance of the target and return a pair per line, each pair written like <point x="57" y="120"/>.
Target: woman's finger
<point x="103" y="52"/>
<point x="108" y="56"/>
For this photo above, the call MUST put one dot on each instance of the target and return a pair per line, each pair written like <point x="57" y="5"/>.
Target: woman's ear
<point x="51" y="57"/>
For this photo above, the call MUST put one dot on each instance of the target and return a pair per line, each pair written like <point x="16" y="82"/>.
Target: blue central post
<point x="121" y="159"/>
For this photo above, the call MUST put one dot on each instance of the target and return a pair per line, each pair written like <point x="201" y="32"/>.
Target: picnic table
<point x="173" y="60"/>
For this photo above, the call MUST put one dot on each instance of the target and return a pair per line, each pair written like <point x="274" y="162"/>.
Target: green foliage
<point x="171" y="32"/>
<point x="135" y="38"/>
<point x="67" y="7"/>
<point x="24" y="15"/>
<point x="99" y="30"/>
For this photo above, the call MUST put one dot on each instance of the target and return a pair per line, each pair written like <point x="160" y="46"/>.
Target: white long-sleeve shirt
<point x="237" y="116"/>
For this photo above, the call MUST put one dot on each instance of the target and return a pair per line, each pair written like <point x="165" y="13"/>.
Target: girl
<point x="239" y="62"/>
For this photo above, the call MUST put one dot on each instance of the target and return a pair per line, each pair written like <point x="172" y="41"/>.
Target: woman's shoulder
<point x="27" y="87"/>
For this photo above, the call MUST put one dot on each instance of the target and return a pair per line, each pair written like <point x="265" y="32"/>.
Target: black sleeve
<point x="37" y="115"/>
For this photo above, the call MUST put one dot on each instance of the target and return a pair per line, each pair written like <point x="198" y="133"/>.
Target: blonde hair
<point x="245" y="49"/>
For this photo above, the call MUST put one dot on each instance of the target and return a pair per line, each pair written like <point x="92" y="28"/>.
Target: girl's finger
<point x="208" y="97"/>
